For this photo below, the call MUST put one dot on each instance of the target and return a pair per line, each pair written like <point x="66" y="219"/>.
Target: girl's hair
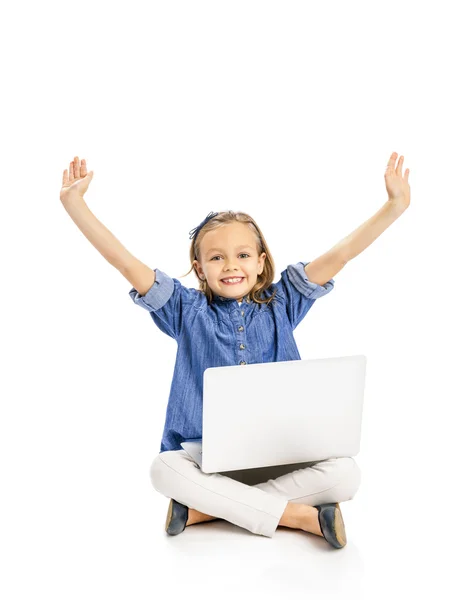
<point x="264" y="280"/>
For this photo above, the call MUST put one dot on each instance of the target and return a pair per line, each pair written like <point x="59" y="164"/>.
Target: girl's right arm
<point x="72" y="193"/>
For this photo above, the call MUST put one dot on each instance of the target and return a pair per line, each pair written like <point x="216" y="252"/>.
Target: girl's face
<point x="230" y="252"/>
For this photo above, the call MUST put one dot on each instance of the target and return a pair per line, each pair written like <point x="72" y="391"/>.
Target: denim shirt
<point x="223" y="333"/>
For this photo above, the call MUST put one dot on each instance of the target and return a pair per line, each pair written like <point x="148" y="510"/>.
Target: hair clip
<point x="193" y="232"/>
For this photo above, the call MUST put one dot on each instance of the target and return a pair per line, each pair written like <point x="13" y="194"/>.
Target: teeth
<point x="233" y="280"/>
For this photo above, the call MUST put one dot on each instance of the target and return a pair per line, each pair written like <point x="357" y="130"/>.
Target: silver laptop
<point x="280" y="413"/>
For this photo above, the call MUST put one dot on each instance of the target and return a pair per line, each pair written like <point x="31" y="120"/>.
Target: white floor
<point x="220" y="559"/>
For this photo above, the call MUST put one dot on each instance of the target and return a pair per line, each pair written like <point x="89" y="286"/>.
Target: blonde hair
<point x="264" y="279"/>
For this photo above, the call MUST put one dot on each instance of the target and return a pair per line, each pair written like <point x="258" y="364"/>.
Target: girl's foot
<point x="310" y="522"/>
<point x="301" y="516"/>
<point x="194" y="516"/>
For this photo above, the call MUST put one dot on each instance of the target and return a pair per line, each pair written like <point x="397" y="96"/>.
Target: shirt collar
<point x="221" y="300"/>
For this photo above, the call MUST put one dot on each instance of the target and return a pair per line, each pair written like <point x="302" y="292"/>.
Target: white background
<point x="288" y="111"/>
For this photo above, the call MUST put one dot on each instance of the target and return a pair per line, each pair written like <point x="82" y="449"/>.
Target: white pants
<point x="254" y="499"/>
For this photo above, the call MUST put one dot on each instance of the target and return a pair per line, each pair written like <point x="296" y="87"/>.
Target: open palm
<point x="397" y="186"/>
<point x="77" y="182"/>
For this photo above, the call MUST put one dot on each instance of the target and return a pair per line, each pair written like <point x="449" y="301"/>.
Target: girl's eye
<point x="242" y="254"/>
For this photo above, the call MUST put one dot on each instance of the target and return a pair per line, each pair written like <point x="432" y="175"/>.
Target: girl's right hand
<point x="75" y="185"/>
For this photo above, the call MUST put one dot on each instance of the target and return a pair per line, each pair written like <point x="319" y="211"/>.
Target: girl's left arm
<point x="323" y="268"/>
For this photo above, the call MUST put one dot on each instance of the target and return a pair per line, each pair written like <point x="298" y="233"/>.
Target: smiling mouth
<point x="232" y="283"/>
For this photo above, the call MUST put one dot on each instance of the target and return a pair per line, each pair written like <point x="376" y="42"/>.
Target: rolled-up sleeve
<point x="167" y="302"/>
<point x="299" y="294"/>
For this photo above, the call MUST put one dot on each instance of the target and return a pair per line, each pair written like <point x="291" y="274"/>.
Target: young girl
<point x="238" y="316"/>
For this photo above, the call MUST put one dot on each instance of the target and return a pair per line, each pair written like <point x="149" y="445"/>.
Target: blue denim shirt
<point x="221" y="334"/>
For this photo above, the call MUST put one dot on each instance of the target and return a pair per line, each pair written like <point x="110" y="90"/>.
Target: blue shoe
<point x="332" y="524"/>
<point x="176" y="518"/>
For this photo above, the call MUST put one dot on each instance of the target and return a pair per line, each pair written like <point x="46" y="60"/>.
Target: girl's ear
<point x="197" y="268"/>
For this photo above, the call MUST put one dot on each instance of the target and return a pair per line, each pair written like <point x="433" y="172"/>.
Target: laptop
<point x="279" y="413"/>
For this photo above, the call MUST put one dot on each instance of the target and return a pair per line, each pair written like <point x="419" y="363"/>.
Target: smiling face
<point x="230" y="252"/>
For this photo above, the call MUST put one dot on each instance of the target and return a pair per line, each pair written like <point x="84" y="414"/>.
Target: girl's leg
<point x="257" y="507"/>
<point x="314" y="483"/>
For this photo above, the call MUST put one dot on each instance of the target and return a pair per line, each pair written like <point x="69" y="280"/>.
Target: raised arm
<point x="72" y="193"/>
<point x="327" y="265"/>
<point x="139" y="275"/>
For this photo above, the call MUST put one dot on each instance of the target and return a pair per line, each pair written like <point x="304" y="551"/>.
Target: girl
<point x="237" y="316"/>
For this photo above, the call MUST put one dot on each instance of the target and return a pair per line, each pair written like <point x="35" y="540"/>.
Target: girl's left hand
<point x="397" y="186"/>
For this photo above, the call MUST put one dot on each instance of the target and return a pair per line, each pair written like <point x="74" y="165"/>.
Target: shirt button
<point x="243" y="362"/>
<point x="242" y="312"/>
<point x="241" y="328"/>
<point x="242" y="346"/>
